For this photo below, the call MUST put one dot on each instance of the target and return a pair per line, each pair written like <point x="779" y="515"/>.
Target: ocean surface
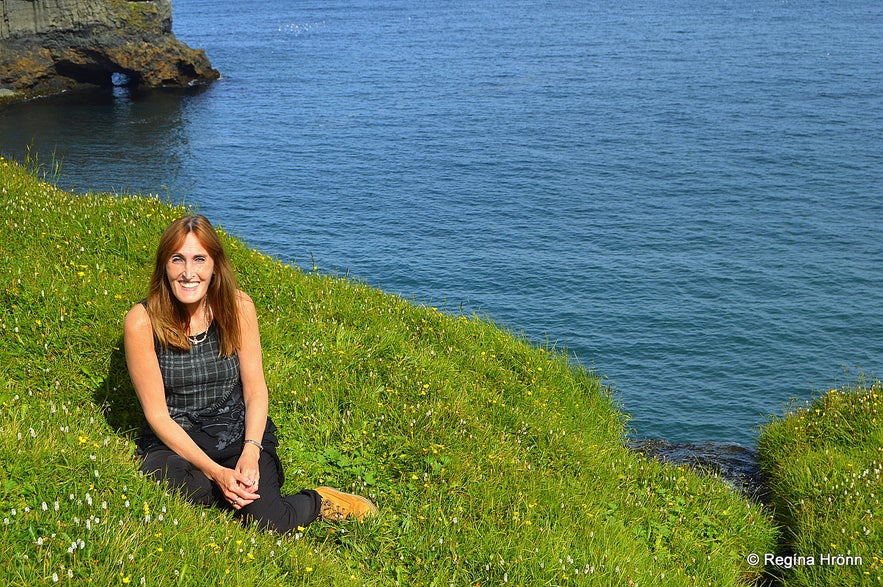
<point x="686" y="196"/>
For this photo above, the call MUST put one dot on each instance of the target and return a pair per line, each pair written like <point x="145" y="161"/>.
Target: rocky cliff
<point x="48" y="46"/>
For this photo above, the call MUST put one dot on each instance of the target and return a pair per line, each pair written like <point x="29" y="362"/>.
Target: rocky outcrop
<point x="48" y="46"/>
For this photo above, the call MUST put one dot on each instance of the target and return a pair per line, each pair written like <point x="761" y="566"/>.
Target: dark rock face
<point x="48" y="46"/>
<point x="738" y="465"/>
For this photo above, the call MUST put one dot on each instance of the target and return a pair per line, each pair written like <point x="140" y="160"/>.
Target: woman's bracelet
<point x="254" y="442"/>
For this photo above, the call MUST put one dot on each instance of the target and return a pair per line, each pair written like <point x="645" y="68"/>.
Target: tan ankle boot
<point x="337" y="505"/>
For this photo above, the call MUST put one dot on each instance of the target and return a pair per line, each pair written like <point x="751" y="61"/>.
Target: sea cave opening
<point x="119" y="79"/>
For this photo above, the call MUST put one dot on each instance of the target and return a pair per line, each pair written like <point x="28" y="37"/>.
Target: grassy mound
<point x="824" y="463"/>
<point x="493" y="461"/>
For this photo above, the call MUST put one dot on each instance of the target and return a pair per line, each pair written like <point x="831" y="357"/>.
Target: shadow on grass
<point x="116" y="397"/>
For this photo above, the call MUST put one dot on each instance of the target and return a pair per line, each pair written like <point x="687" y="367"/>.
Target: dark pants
<point x="272" y="511"/>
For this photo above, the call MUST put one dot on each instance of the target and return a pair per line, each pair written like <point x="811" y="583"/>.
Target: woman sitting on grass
<point x="194" y="356"/>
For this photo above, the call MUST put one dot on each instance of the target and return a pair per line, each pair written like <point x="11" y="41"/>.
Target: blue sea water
<point x="687" y="196"/>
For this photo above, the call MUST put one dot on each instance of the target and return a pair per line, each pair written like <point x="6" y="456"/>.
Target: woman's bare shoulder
<point x="137" y="318"/>
<point x="243" y="298"/>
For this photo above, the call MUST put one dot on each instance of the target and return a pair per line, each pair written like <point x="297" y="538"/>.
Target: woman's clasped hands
<point x="239" y="486"/>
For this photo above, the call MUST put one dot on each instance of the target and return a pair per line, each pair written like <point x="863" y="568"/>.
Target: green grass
<point x="824" y="463"/>
<point x="137" y="16"/>
<point x="493" y="460"/>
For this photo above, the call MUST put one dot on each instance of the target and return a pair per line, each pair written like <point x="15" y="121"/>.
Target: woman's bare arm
<point x="254" y="386"/>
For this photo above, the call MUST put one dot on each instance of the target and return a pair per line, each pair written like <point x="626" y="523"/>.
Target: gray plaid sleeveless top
<point x="204" y="396"/>
<point x="198" y="382"/>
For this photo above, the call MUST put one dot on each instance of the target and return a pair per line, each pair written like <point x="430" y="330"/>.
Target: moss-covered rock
<point x="48" y="46"/>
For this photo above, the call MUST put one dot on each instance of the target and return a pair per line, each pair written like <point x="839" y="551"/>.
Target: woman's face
<point x="190" y="271"/>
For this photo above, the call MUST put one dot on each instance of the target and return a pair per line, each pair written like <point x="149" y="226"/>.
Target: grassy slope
<point x="824" y="463"/>
<point x="492" y="460"/>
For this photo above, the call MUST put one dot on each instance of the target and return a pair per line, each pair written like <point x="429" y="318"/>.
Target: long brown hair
<point x="167" y="315"/>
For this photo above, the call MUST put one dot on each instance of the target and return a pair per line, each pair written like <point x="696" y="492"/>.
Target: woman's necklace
<point x="199" y="337"/>
<point x="207" y="314"/>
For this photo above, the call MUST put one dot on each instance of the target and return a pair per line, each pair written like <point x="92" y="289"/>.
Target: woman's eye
<point x="200" y="259"/>
<point x="177" y="260"/>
